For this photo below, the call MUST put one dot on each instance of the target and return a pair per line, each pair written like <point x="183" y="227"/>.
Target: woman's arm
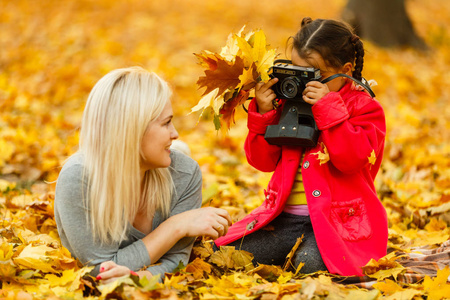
<point x="175" y="236"/>
<point x="170" y="242"/>
<point x="76" y="234"/>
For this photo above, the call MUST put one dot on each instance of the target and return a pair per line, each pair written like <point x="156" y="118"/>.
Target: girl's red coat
<point x="349" y="221"/>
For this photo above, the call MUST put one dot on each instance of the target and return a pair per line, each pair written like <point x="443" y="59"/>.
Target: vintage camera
<point x="296" y="126"/>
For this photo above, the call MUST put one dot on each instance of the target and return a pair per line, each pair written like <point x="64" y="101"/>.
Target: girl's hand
<point x="265" y="95"/>
<point x="110" y="271"/>
<point x="314" y="91"/>
<point x="209" y="221"/>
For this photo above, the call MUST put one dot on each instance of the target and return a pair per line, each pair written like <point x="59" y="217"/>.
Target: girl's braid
<point x="359" y="56"/>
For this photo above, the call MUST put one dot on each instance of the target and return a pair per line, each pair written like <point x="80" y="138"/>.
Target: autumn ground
<point x="52" y="52"/>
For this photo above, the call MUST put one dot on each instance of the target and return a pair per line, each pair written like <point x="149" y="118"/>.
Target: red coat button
<point x="351" y="211"/>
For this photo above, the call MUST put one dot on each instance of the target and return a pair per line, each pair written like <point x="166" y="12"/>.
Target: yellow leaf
<point x="242" y="259"/>
<point x="324" y="156"/>
<point x="372" y="158"/>
<point x="205" y="101"/>
<point x="265" y="64"/>
<point x="407" y="294"/>
<point x="36" y="258"/>
<point x="438" y="288"/>
<point x="6" y="151"/>
<point x="259" y="46"/>
<point x="230" y="50"/>
<point x="5" y="185"/>
<point x="388" y="287"/>
<point x="66" y="277"/>
<point x="247" y="51"/>
<point x="247" y="77"/>
<point x="384" y="267"/>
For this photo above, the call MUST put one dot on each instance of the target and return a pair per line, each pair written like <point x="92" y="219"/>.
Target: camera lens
<point x="289" y="87"/>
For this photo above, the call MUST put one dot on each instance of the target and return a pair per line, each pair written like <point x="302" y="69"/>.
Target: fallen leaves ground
<point x="52" y="52"/>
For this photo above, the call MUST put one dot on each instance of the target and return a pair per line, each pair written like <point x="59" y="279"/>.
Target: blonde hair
<point x="117" y="113"/>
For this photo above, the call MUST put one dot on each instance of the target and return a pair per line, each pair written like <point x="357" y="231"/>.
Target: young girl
<point x="125" y="202"/>
<point x="326" y="193"/>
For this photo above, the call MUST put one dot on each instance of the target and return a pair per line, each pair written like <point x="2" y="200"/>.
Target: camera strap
<point x="365" y="85"/>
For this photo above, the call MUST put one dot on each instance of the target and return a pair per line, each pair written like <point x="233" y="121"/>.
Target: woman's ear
<point x="347" y="69"/>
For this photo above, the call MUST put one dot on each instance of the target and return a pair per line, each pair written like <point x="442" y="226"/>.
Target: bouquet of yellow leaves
<point x="231" y="75"/>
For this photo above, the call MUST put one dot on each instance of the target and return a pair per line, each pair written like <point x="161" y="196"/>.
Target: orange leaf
<point x="208" y="59"/>
<point x="198" y="267"/>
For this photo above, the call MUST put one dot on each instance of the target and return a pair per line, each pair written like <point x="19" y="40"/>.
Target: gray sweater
<point x="76" y="233"/>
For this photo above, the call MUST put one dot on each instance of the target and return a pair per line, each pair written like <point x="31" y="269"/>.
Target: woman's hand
<point x="110" y="271"/>
<point x="265" y="95"/>
<point x="209" y="221"/>
<point x="314" y="91"/>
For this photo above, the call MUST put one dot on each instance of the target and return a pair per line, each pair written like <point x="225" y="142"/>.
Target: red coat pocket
<point x="350" y="220"/>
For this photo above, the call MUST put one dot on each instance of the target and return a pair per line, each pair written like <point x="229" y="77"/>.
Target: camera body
<point x="292" y="79"/>
<point x="296" y="126"/>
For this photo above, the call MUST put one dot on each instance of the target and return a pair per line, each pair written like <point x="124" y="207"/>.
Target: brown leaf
<point x="228" y="109"/>
<point x="225" y="76"/>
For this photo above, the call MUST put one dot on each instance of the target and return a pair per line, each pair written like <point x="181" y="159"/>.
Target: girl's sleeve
<point x="75" y="231"/>
<point x="353" y="139"/>
<point x="188" y="183"/>
<point x="260" y="154"/>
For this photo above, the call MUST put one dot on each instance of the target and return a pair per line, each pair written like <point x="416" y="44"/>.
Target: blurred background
<point x="53" y="52"/>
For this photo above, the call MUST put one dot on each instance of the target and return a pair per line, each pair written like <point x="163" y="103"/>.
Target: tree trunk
<point x="384" y="22"/>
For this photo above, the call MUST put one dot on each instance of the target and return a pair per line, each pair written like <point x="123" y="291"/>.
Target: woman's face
<point x="315" y="60"/>
<point x="158" y="136"/>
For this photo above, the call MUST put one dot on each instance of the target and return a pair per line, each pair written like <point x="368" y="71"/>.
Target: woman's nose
<point x="174" y="134"/>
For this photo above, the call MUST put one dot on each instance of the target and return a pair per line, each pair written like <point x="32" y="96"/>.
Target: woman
<point x="125" y="202"/>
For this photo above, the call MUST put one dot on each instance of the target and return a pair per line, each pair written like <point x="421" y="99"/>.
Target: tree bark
<point x="384" y="22"/>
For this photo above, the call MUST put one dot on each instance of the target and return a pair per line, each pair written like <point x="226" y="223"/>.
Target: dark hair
<point x="335" y="41"/>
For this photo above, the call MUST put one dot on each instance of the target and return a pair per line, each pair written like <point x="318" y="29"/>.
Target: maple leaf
<point x="324" y="156"/>
<point x="225" y="76"/>
<point x="438" y="288"/>
<point x="231" y="49"/>
<point x="248" y="78"/>
<point x="230" y="258"/>
<point x="198" y="268"/>
<point x="208" y="59"/>
<point x="7" y="267"/>
<point x="388" y="287"/>
<point x="385" y="267"/>
<point x="242" y="259"/>
<point x="372" y="158"/>
<point x="228" y="109"/>
<point x="206" y="101"/>
<point x="37" y="257"/>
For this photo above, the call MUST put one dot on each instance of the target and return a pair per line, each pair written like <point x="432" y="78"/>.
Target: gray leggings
<point x="272" y="244"/>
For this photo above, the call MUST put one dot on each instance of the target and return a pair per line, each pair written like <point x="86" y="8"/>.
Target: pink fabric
<point x="349" y="221"/>
<point x="299" y="210"/>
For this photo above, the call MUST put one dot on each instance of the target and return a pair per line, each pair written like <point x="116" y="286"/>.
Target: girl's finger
<point x="269" y="84"/>
<point x="314" y="83"/>
<point x="259" y="85"/>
